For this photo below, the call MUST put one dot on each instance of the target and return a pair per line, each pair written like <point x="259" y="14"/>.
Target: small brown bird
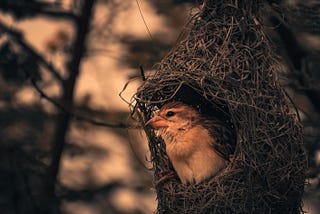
<point x="192" y="141"/>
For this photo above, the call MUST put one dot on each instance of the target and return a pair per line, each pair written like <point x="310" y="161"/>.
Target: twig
<point x="37" y="8"/>
<point x="293" y="104"/>
<point x="63" y="118"/>
<point x="18" y="38"/>
<point x="57" y="14"/>
<point x="77" y="116"/>
<point x="142" y="73"/>
<point x="143" y="19"/>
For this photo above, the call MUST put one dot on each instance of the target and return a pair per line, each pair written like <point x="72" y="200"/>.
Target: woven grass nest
<point x="224" y="64"/>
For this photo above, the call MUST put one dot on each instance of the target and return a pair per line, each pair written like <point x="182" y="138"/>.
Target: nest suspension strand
<point x="225" y="64"/>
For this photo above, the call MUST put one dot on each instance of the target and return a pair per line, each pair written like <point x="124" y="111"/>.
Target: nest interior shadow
<point x="225" y="65"/>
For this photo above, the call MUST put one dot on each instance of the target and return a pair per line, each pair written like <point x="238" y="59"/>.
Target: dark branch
<point x="142" y="73"/>
<point x="58" y="14"/>
<point x="32" y="9"/>
<point x="16" y="36"/>
<point x="77" y="116"/>
<point x="63" y="118"/>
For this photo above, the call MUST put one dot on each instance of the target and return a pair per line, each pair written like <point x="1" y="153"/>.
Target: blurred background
<point x="66" y="143"/>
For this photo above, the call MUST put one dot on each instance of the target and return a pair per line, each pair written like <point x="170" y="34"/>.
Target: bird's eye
<point x="170" y="114"/>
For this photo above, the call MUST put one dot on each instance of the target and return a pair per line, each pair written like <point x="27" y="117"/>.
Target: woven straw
<point x="225" y="64"/>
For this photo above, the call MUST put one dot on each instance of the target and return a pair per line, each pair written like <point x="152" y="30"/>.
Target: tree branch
<point x="58" y="14"/>
<point x="77" y="116"/>
<point x="16" y="36"/>
<point x="63" y="119"/>
<point x="31" y="9"/>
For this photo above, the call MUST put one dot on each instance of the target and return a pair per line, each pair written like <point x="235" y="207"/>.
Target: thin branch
<point x="293" y="104"/>
<point x="33" y="9"/>
<point x="143" y="19"/>
<point x="143" y="77"/>
<point x="58" y="14"/>
<point x="63" y="118"/>
<point x="18" y="38"/>
<point x="77" y="116"/>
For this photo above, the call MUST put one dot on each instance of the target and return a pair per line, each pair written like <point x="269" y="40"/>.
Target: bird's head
<point x="174" y="117"/>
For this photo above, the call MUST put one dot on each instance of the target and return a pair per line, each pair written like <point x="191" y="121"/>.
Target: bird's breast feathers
<point x="192" y="155"/>
<point x="188" y="142"/>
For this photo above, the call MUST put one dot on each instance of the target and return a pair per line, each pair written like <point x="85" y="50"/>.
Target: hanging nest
<point x="224" y="66"/>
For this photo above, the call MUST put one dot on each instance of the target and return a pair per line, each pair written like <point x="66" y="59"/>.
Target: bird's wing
<point x="224" y="136"/>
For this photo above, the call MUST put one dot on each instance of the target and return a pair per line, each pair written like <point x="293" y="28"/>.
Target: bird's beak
<point x="157" y="122"/>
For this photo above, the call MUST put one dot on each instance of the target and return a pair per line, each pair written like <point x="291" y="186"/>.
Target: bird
<point x="194" y="142"/>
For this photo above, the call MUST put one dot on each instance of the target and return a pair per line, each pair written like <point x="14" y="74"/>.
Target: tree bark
<point x="82" y="24"/>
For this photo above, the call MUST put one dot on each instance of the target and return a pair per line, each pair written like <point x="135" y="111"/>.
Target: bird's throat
<point x="168" y="137"/>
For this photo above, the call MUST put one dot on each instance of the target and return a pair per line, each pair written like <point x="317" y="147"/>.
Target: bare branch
<point x="32" y="9"/>
<point x="58" y="14"/>
<point x="77" y="116"/>
<point x="18" y="38"/>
